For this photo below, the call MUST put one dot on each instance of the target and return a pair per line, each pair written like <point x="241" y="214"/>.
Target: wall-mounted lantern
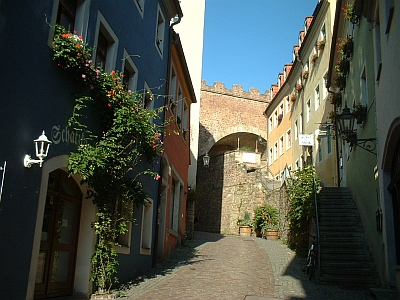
<point x="346" y="128"/>
<point x="206" y="160"/>
<point x="42" y="145"/>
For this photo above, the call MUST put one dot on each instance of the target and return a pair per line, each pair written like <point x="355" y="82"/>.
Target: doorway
<point x="59" y="236"/>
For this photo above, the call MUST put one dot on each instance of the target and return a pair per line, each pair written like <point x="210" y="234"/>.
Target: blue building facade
<point x="45" y="219"/>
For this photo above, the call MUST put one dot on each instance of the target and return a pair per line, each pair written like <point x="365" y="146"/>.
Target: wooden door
<point x="57" y="256"/>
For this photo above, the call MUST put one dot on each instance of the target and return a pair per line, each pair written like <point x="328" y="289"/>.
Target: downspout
<point x="176" y="20"/>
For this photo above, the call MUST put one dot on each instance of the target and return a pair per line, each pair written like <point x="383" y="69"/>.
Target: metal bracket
<point x="366" y="144"/>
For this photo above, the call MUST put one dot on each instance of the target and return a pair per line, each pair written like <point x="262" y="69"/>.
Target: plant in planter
<point x="340" y="81"/>
<point x="350" y="13"/>
<point x="336" y="98"/>
<point x="245" y="225"/>
<point x="266" y="218"/>
<point x="321" y="44"/>
<point x="107" y="161"/>
<point x="360" y="113"/>
<point x="345" y="47"/>
<point x="293" y="96"/>
<point x="314" y="58"/>
<point x="299" y="87"/>
<point x="305" y="74"/>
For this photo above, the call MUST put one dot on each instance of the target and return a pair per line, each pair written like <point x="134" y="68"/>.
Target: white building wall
<point x="191" y="32"/>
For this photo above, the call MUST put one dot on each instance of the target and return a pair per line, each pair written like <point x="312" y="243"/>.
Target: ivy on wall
<point x="108" y="162"/>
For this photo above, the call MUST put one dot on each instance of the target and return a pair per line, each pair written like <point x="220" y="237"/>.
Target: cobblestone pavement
<point x="213" y="266"/>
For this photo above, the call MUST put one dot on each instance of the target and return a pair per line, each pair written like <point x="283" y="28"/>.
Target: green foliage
<point x="108" y="163"/>
<point x="266" y="217"/>
<point x="300" y="191"/>
<point x="246" y="221"/>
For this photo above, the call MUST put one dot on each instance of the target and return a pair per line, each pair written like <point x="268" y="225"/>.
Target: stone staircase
<point x="344" y="254"/>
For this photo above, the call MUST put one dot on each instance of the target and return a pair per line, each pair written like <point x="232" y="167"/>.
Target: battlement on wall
<point x="236" y="91"/>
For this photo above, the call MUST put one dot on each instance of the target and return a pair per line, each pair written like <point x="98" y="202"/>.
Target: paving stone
<point x="213" y="266"/>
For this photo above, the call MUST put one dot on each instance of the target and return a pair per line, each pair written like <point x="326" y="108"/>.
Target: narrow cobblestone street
<point x="214" y="266"/>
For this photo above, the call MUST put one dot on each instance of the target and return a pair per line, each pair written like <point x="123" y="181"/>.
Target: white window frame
<point x="147" y="227"/>
<point x="281" y="145"/>
<point x="127" y="63"/>
<point x="140" y="6"/>
<point x="270" y="123"/>
<point x="81" y="20"/>
<point x="271" y="151"/>
<point x="275" y="151"/>
<point x="103" y="27"/>
<point x="317" y="96"/>
<point x="160" y="32"/>
<point x="289" y="138"/>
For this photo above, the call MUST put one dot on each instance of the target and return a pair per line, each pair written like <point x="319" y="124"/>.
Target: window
<point x="270" y="156"/>
<point x="179" y="108"/>
<point x="66" y="14"/>
<point x="172" y="91"/>
<point x="296" y="164"/>
<point x="322" y="34"/>
<point x="130" y="73"/>
<point x="281" y="110"/>
<point x="308" y="111"/>
<point x="275" y="118"/>
<point x="140" y="6"/>
<point x="329" y="141"/>
<point x="324" y="89"/>
<point x="288" y="139"/>
<point x="175" y="196"/>
<point x="124" y="240"/>
<point x="287" y="104"/>
<point x="317" y="98"/>
<point x="159" y="41"/>
<point x="270" y="124"/>
<point x="364" y="90"/>
<point x="281" y="149"/>
<point x="301" y="123"/>
<point x="185" y="121"/>
<point x="319" y="145"/>
<point x="106" y="45"/>
<point x="148" y="102"/>
<point x="296" y="130"/>
<point x="147" y="225"/>
<point x="276" y="151"/>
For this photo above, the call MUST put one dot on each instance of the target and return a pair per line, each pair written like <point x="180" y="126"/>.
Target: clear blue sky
<point x="247" y="42"/>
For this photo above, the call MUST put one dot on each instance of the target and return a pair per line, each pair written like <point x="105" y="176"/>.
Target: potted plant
<point x="360" y="112"/>
<point x="245" y="225"/>
<point x="321" y="44"/>
<point x="336" y="98"/>
<point x="340" y="81"/>
<point x="266" y="220"/>
<point x="305" y="74"/>
<point x="314" y="58"/>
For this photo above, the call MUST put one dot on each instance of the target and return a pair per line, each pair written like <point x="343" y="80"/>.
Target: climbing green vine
<point x="300" y="191"/>
<point x="112" y="161"/>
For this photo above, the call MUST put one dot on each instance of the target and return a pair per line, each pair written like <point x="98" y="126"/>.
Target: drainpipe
<point x="176" y="20"/>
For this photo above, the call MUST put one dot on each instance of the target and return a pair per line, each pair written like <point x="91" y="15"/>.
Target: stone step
<point x="350" y="281"/>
